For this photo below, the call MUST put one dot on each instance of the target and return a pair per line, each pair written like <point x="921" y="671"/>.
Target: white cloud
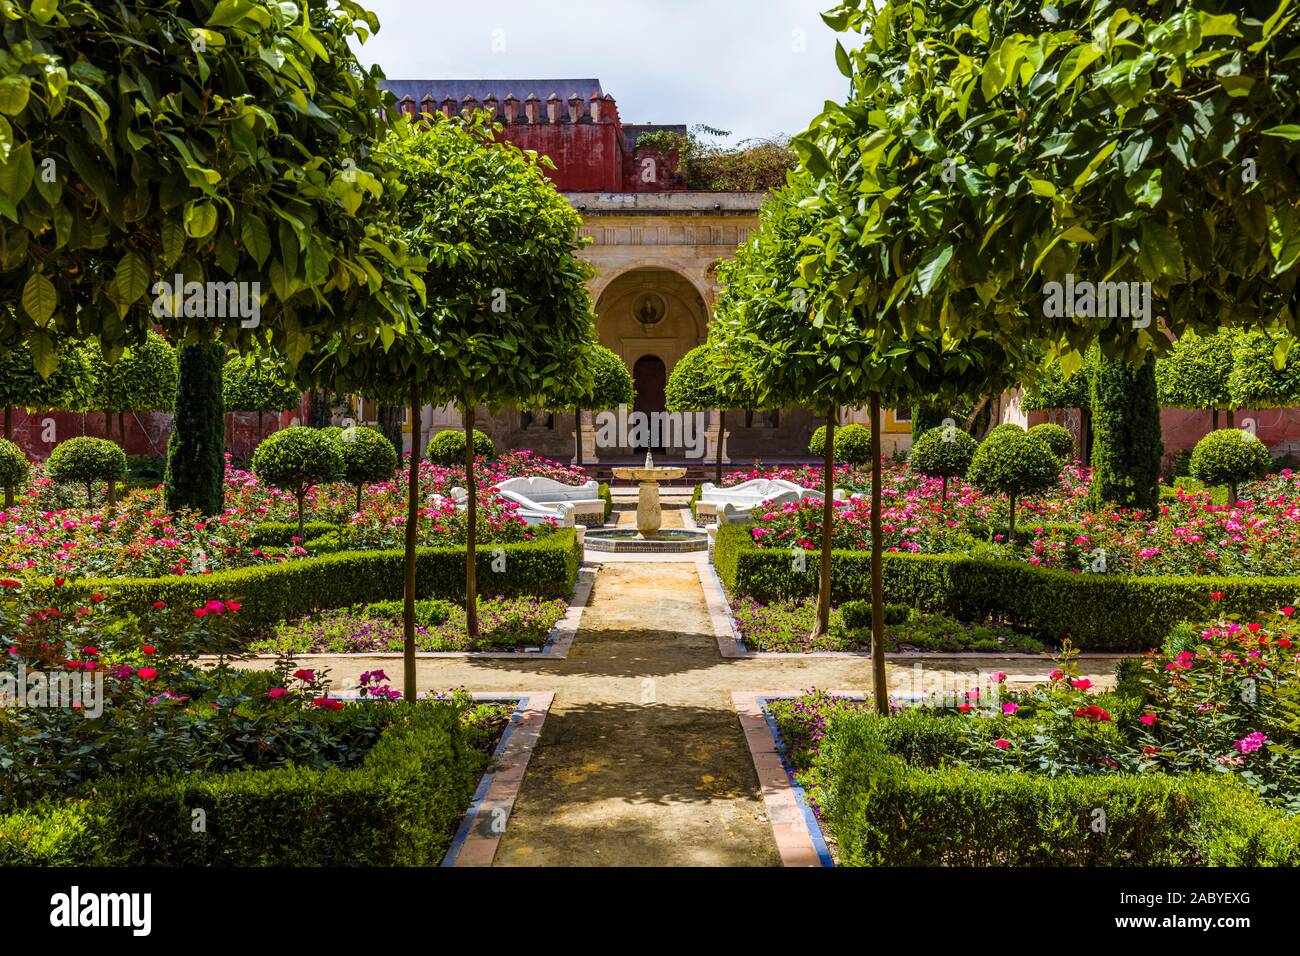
<point x="732" y="64"/>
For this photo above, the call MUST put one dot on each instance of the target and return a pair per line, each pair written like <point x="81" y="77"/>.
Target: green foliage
<point x="881" y="811"/>
<point x="1007" y="427"/>
<point x="1229" y="457"/>
<point x="943" y="452"/>
<point x="701" y="382"/>
<point x="296" y="459"/>
<point x="248" y="154"/>
<point x="546" y="567"/>
<point x="14" y="467"/>
<point x="852" y="444"/>
<point x="258" y="383"/>
<point x="427" y="613"/>
<point x="1127" y="449"/>
<point x="1195" y="373"/>
<point x="367" y="456"/>
<point x="1056" y="438"/>
<point x="447" y="448"/>
<point x="404" y="801"/>
<point x="196" y="461"/>
<point x="1014" y="463"/>
<point x="1051" y="388"/>
<point x="66" y="389"/>
<point x="142" y="380"/>
<point x="86" y="461"/>
<point x="610" y="385"/>
<point x="1265" y="373"/>
<point x="753" y="165"/>
<point x="1098" y="612"/>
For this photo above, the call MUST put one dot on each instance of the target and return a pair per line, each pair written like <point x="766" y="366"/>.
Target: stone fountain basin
<point x="649" y="474"/>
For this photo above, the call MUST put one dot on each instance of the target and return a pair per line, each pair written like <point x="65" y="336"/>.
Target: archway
<point x="650" y="376"/>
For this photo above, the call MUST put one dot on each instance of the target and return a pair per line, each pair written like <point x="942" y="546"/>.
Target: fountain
<point x="649" y="535"/>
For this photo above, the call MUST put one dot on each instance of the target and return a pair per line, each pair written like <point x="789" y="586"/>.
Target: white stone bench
<point x="542" y="498"/>
<point x="735" y="505"/>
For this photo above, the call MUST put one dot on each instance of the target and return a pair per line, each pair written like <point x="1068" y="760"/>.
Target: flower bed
<point x="1193" y="760"/>
<point x="786" y="625"/>
<point x="105" y="764"/>
<point x="505" y="624"/>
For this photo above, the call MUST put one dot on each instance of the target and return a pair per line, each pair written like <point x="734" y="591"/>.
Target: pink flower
<point x="146" y="673"/>
<point x="276" y="693"/>
<point x="1081" y="683"/>
<point x="1002" y="743"/>
<point x="999" y="677"/>
<point x="1010" y="707"/>
<point x="1250" y="743"/>
<point x="1148" y="719"/>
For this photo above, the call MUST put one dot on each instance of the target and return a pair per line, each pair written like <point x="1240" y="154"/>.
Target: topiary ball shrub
<point x="295" y="460"/>
<point x="1006" y="427"/>
<point x="1013" y="463"/>
<point x="448" y="448"/>
<point x="367" y="456"/>
<point x="944" y="452"/>
<point x="87" y="461"/>
<point x="1058" y="439"/>
<point x="14" y="469"/>
<point x="1229" y="457"/>
<point x="852" y="444"/>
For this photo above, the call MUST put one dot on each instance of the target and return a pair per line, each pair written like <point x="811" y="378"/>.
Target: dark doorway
<point x="650" y="377"/>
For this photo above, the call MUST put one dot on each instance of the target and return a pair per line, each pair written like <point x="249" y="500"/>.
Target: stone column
<point x="711" y="436"/>
<point x="648" y="513"/>
<point x="589" y="456"/>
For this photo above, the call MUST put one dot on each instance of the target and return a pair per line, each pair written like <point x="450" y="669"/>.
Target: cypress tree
<point x="195" y="460"/>
<point x="1126" y="445"/>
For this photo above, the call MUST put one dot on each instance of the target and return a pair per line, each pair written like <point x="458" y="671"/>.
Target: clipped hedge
<point x="280" y="534"/>
<point x="546" y="568"/>
<point x="1097" y="612"/>
<point x="403" y="803"/>
<point x="883" y="812"/>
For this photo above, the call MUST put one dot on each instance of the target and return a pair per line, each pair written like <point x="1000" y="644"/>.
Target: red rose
<point x="146" y="673"/>
<point x="148" y="650"/>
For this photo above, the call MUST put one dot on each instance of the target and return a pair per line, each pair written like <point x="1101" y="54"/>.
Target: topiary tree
<point x="1265" y="372"/>
<point x="703" y="380"/>
<point x="1127" y="448"/>
<point x="944" y="452"/>
<point x="22" y="386"/>
<point x="852" y="444"/>
<point x="258" y="383"/>
<point x="1006" y="427"/>
<point x="143" y="379"/>
<point x="14" y="469"/>
<point x="1058" y="439"/>
<point x="86" y="461"/>
<point x="609" y="385"/>
<point x="448" y="448"/>
<point x="196" y="461"/>
<point x="926" y="416"/>
<point x="367" y="456"/>
<point x="1015" y="464"/>
<point x="1196" y="371"/>
<point x="295" y="460"/>
<point x="1229" y="456"/>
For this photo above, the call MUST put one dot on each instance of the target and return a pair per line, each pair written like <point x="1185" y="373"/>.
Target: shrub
<point x="427" y="613"/>
<point x="944" y="452"/>
<point x="1057" y="439"/>
<point x="1013" y="463"/>
<point x="295" y="459"/>
<point x="87" y="461"/>
<point x="883" y="812"/>
<point x="196" y="463"/>
<point x="448" y="448"/>
<point x="1098" y="612"/>
<point x="1229" y="457"/>
<point x="14" y="469"/>
<point x="1127" y="449"/>
<point x="1006" y="428"/>
<point x="852" y="444"/>
<point x="367" y="457"/>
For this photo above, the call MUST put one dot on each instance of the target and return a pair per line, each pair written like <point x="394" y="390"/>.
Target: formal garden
<point x="321" y="647"/>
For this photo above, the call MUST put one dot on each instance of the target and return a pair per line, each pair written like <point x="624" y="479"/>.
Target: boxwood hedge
<point x="883" y="812"/>
<point x="1097" y="612"/>
<point x="545" y="568"/>
<point x="403" y="802"/>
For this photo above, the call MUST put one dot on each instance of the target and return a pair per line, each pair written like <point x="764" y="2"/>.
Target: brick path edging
<point x="798" y="836"/>
<point x="480" y="832"/>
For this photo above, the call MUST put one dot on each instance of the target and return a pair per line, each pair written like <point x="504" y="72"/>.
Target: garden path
<point x="641" y="760"/>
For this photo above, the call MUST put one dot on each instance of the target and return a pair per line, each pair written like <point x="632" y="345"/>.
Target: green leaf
<point x="200" y="219"/>
<point x="1041" y="187"/>
<point x="1285" y="131"/>
<point x="39" y="298"/>
<point x="16" y="176"/>
<point x="933" y="267"/>
<point x="256" y="238"/>
<point x="842" y="60"/>
<point x="14" y="91"/>
<point x="1095" y="163"/>
<point x="131" y="278"/>
<point x="1159" y="252"/>
<point x="173" y="241"/>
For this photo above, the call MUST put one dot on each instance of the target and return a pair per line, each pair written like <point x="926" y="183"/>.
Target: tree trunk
<point x="108" y="425"/>
<point x="408" y="566"/>
<point x="302" y="538"/>
<point x="121" y="429"/>
<point x="471" y="530"/>
<point x="1011" y="531"/>
<point x="828" y="516"/>
<point x="577" y="435"/>
<point x="1214" y="419"/>
<point x="1232" y="418"/>
<point x="722" y="430"/>
<point x="9" y="497"/>
<point x="360" y="488"/>
<point x="879" y="680"/>
<point x="1232" y="494"/>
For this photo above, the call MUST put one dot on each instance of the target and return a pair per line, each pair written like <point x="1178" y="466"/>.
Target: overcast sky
<point x="755" y="67"/>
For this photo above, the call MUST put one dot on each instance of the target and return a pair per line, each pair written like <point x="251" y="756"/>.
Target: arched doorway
<point x="650" y="376"/>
